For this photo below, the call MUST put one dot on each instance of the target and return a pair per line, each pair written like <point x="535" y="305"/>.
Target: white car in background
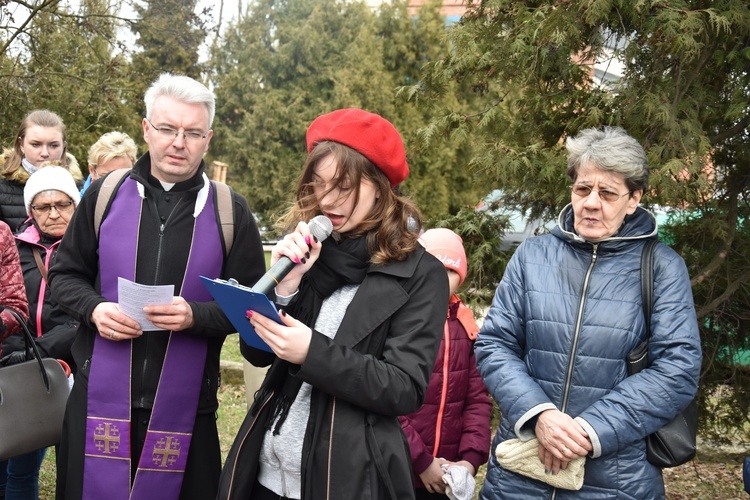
<point x="520" y="226"/>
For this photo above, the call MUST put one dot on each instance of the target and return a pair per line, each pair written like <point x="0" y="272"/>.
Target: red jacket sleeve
<point x="476" y="435"/>
<point x="421" y="457"/>
<point x="12" y="289"/>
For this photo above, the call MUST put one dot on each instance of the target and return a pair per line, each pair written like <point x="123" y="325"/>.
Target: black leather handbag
<point x="675" y="443"/>
<point x="33" y="395"/>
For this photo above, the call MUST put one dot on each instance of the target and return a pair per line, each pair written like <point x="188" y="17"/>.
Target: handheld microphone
<point x="321" y="228"/>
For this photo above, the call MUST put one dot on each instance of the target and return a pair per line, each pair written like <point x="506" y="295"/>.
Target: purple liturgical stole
<point x="162" y="464"/>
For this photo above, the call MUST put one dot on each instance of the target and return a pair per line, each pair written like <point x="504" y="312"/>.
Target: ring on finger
<point x="112" y="333"/>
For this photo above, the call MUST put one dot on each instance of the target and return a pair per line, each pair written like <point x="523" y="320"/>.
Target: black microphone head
<point x="320" y="227"/>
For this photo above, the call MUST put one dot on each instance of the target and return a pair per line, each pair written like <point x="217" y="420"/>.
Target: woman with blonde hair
<point x="113" y="151"/>
<point x="40" y="138"/>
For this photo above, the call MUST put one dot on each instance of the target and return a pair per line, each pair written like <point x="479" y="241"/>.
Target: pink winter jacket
<point x="454" y="421"/>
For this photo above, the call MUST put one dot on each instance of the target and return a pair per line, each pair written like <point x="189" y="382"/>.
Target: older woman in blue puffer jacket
<point x="552" y="349"/>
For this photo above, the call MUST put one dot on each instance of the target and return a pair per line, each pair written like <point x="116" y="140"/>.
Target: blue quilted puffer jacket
<point x="562" y="321"/>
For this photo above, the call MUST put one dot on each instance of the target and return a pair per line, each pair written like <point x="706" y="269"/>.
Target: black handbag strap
<point x="647" y="282"/>
<point x="30" y="344"/>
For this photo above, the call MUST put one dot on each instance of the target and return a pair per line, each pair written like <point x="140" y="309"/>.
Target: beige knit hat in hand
<point x="522" y="457"/>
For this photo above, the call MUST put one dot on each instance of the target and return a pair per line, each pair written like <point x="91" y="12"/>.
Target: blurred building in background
<point x="452" y="9"/>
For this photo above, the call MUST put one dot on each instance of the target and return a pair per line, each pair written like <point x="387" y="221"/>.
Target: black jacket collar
<point x="141" y="172"/>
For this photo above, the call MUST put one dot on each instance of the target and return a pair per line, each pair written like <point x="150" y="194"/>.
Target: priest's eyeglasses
<point x="171" y="134"/>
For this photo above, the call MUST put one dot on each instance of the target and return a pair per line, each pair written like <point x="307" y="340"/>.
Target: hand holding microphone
<point x="296" y="253"/>
<point x="291" y="340"/>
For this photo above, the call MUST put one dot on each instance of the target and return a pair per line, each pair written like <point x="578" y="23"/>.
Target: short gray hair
<point x="182" y="88"/>
<point x="612" y="149"/>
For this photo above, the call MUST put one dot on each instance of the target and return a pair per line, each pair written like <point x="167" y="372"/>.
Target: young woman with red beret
<point x="362" y="317"/>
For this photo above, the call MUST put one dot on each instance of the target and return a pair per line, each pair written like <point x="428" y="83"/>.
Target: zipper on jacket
<point x="577" y="332"/>
<point x="242" y="443"/>
<point x="43" y="287"/>
<point x="43" y="290"/>
<point x="569" y="375"/>
<point x="43" y="283"/>
<point x="330" y="450"/>
<point x="444" y="393"/>
<point x="162" y="226"/>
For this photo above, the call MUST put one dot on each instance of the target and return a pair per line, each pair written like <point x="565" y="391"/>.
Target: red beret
<point x="367" y="133"/>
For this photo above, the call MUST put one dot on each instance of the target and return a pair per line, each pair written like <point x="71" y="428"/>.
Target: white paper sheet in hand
<point x="133" y="297"/>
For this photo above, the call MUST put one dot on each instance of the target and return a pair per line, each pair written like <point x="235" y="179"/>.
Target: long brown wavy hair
<point x="391" y="227"/>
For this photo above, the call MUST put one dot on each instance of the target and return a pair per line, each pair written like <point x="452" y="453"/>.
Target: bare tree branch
<point x="35" y="9"/>
<point x="728" y="292"/>
<point x="721" y="257"/>
<point x="730" y="132"/>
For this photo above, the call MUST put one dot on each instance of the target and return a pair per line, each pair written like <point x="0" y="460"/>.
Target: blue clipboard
<point x="235" y="300"/>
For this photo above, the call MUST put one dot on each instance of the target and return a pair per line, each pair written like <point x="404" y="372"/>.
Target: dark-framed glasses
<point x="171" y="134"/>
<point x="583" y="191"/>
<point x="60" y="207"/>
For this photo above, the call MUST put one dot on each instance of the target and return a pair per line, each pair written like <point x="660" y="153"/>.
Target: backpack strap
<point x="647" y="281"/>
<point x="104" y="196"/>
<point x="225" y="209"/>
